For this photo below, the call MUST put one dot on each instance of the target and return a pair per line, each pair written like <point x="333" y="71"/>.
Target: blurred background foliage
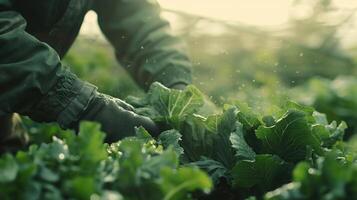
<point x="303" y="60"/>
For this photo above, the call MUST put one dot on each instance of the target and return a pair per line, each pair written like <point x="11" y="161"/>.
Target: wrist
<point x="72" y="113"/>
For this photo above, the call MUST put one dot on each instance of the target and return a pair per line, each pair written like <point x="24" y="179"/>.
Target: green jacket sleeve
<point x="143" y="42"/>
<point x="33" y="81"/>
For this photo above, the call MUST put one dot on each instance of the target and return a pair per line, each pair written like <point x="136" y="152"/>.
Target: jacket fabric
<point x="36" y="34"/>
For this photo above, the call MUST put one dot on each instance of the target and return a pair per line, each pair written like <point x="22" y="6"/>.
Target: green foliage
<point x="252" y="153"/>
<point x="294" y="153"/>
<point x="337" y="98"/>
<point x="8" y="168"/>
<point x="171" y="106"/>
<point x="83" y="167"/>
<point x="264" y="172"/>
<point x="329" y="179"/>
<point x="239" y="144"/>
<point x="289" y="137"/>
<point x="245" y="151"/>
<point x="175" y="184"/>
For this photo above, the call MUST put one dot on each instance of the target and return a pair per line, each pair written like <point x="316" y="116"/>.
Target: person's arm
<point x="143" y="42"/>
<point x="33" y="81"/>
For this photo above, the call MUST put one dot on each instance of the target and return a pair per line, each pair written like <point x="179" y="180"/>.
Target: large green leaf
<point x="329" y="134"/>
<point x="265" y="172"/>
<point x="174" y="105"/>
<point x="197" y="140"/>
<point x="81" y="187"/>
<point x="176" y="184"/>
<point x="153" y="163"/>
<point x="289" y="137"/>
<point x="223" y="151"/>
<point x="171" y="138"/>
<point x="214" y="168"/>
<point x="243" y="150"/>
<point x="89" y="143"/>
<point x="246" y="116"/>
<point x="331" y="178"/>
<point x="8" y="169"/>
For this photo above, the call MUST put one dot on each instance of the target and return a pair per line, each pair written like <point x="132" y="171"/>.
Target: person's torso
<point x="55" y="22"/>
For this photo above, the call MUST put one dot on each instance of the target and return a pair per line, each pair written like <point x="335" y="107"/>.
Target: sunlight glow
<point x="252" y="12"/>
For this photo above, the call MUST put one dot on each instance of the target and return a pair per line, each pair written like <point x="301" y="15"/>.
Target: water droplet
<point x="61" y="156"/>
<point x="301" y="54"/>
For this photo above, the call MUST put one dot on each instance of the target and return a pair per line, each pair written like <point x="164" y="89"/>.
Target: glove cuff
<point x="63" y="101"/>
<point x="76" y="107"/>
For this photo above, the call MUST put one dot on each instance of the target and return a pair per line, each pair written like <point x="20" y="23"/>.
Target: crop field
<point x="271" y="114"/>
<point x="295" y="153"/>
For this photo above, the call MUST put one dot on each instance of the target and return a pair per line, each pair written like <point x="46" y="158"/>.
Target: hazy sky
<point x="253" y="12"/>
<point x="250" y="12"/>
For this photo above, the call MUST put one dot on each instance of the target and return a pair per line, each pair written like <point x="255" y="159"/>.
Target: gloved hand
<point x="117" y="117"/>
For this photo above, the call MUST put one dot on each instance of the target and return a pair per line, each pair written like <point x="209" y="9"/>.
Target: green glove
<point x="117" y="117"/>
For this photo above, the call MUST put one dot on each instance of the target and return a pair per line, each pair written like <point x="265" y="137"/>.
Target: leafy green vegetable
<point x="330" y="179"/>
<point x="222" y="144"/>
<point x="171" y="138"/>
<point x="289" y="137"/>
<point x="8" y="169"/>
<point x="214" y="168"/>
<point x="172" y="105"/>
<point x="337" y="98"/>
<point x="242" y="151"/>
<point x="265" y="172"/>
<point x="176" y="184"/>
<point x="83" y="167"/>
<point x="246" y="116"/>
<point x="198" y="137"/>
<point x="329" y="134"/>
<point x="245" y="154"/>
